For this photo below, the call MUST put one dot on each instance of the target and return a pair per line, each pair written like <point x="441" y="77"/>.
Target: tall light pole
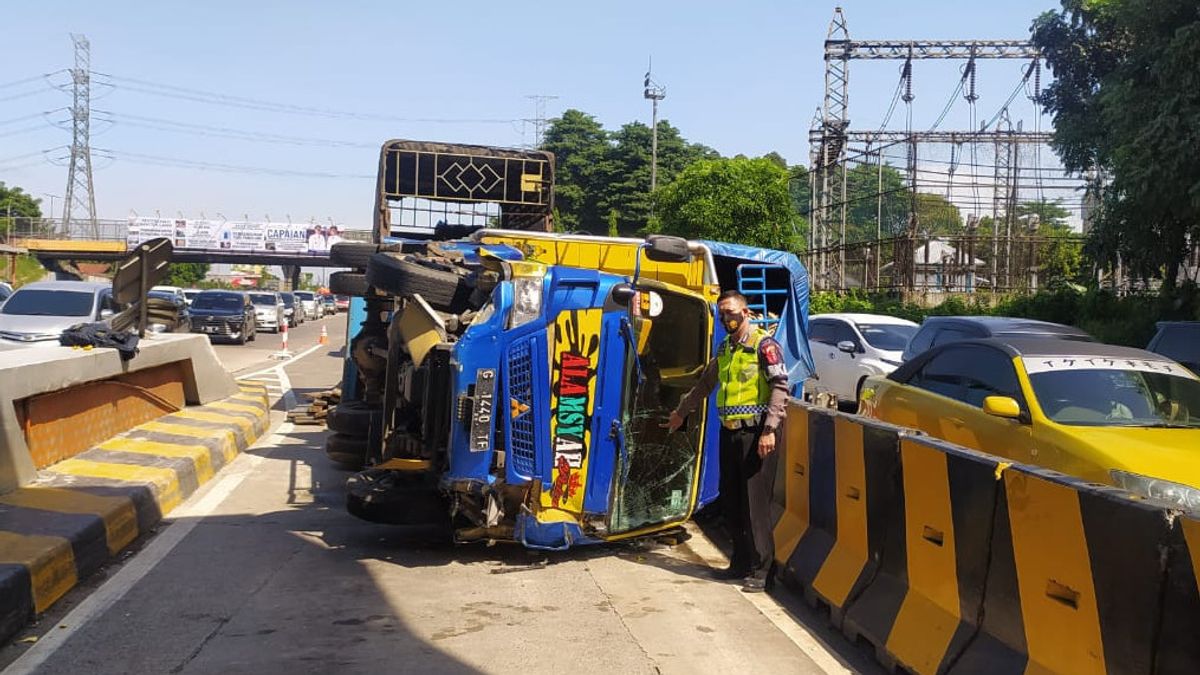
<point x="655" y="92"/>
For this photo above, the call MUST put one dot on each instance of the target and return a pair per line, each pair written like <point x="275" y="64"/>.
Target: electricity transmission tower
<point x="79" y="205"/>
<point x="539" y="117"/>
<point x="830" y="137"/>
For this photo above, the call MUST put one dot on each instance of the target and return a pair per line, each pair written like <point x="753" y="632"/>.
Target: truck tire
<point x="348" y="283"/>
<point x="399" y="275"/>
<point x="354" y="254"/>
<point x="397" y="498"/>
<point x="349" y="452"/>
<point x="354" y="418"/>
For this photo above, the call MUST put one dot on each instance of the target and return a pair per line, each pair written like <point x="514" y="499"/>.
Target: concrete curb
<point x="82" y="511"/>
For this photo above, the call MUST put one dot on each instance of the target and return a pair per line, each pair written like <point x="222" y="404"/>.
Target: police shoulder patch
<point x="771" y="352"/>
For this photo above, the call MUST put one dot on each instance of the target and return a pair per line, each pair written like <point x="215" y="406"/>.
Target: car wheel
<point x="240" y="337"/>
<point x="348" y="283"/>
<point x="354" y="418"/>
<point x="349" y="452"/>
<point x="402" y="275"/>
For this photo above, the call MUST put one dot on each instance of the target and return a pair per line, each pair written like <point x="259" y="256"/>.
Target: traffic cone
<point x="283" y="337"/>
<point x="324" y="335"/>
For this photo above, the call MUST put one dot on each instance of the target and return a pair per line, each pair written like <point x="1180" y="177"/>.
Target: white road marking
<point x="185" y="518"/>
<point x="289" y="362"/>
<point x="812" y="645"/>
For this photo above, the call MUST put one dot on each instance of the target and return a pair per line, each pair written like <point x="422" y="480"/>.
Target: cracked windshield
<point x="657" y="468"/>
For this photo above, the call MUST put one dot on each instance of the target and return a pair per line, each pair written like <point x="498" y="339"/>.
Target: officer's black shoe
<point x="755" y="583"/>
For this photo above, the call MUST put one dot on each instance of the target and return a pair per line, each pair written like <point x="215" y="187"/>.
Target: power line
<point x="27" y="80"/>
<point x="161" y="124"/>
<point x="215" y="98"/>
<point x="159" y="160"/>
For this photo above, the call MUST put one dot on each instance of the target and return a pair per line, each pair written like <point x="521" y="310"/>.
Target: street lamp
<point x="654" y="92"/>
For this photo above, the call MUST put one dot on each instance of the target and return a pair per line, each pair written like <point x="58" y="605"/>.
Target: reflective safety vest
<point x="744" y="391"/>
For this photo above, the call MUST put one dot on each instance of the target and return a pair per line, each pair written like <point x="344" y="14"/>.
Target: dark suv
<point x="938" y="330"/>
<point x="1178" y="341"/>
<point x="224" y="314"/>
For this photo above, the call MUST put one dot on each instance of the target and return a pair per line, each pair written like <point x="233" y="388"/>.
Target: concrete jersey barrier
<point x="949" y="560"/>
<point x="29" y="373"/>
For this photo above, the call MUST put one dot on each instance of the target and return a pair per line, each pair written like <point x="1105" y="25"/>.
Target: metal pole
<point x="654" y="145"/>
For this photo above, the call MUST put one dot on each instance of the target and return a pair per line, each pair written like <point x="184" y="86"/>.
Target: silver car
<point x="268" y="310"/>
<point x="37" y="314"/>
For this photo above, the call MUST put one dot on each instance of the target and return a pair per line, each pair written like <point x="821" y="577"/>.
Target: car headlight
<point x="527" y="301"/>
<point x="1156" y="488"/>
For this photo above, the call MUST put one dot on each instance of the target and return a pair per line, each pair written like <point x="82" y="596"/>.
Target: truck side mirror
<point x="663" y="248"/>
<point x="623" y="294"/>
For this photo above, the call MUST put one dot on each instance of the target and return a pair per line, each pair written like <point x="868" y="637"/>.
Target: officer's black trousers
<point x="746" y="485"/>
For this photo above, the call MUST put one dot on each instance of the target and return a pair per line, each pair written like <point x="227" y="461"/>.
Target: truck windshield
<point x="656" y="477"/>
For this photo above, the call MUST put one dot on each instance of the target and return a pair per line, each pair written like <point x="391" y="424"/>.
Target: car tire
<point x="348" y="283"/>
<point x="241" y="338"/>
<point x="354" y="418"/>
<point x="356" y="254"/>
<point x="349" y="452"/>
<point x="399" y="274"/>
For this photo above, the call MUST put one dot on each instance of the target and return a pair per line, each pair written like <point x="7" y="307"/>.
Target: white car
<point x="308" y="300"/>
<point x="849" y="348"/>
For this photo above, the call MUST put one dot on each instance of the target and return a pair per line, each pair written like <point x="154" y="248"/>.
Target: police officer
<point x="751" y="402"/>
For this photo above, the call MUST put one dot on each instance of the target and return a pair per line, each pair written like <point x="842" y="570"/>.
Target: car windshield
<point x="889" y="337"/>
<point x="48" y="302"/>
<point x="305" y="295"/>
<point x="287" y="298"/>
<point x="665" y="356"/>
<point x="217" y="301"/>
<point x="1122" y="398"/>
<point x="162" y="295"/>
<point x="1181" y="343"/>
<point x="262" y="299"/>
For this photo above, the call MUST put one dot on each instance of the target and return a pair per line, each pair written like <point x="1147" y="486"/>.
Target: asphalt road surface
<point x="263" y="571"/>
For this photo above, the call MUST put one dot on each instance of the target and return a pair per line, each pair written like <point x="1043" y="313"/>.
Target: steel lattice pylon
<point x="80" y="202"/>
<point x="830" y="136"/>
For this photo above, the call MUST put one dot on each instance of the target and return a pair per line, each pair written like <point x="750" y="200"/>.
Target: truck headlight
<point x="527" y="301"/>
<point x="1181" y="495"/>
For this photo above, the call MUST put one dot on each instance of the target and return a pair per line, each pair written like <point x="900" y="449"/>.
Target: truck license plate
<point x="483" y="412"/>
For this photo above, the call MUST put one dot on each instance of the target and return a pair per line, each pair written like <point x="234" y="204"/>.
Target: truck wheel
<point x="348" y="283"/>
<point x="347" y="451"/>
<point x="397" y="498"/>
<point x="399" y="275"/>
<point x="354" y="418"/>
<point x="354" y="254"/>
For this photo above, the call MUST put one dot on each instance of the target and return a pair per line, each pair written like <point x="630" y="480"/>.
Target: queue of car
<point x="1029" y="391"/>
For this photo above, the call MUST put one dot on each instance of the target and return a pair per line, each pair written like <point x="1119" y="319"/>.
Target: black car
<point x="1178" y="341"/>
<point x="292" y="309"/>
<point x="224" y="314"/>
<point x="938" y="330"/>
<point x="168" y="312"/>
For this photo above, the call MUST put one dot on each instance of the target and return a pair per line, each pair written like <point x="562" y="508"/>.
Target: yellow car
<point x="1107" y="414"/>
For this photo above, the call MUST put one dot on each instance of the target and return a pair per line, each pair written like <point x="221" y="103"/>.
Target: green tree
<point x="579" y="144"/>
<point x="186" y="275"/>
<point x="625" y="171"/>
<point x="737" y="200"/>
<point x="1126" y="100"/>
<point x="16" y="203"/>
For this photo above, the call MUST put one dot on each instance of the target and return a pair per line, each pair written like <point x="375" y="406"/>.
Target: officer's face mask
<point x="733" y="319"/>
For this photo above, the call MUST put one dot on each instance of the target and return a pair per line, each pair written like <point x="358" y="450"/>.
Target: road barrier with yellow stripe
<point x="949" y="560"/>
<point x="80" y="512"/>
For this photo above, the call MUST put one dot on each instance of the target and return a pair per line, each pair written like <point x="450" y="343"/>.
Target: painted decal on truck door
<point x="572" y="401"/>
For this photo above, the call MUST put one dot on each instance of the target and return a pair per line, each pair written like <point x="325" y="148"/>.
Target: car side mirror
<point x="106" y="314"/>
<point x="1002" y="406"/>
<point x="847" y="346"/>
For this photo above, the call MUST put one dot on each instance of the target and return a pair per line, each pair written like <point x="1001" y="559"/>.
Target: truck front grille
<point x="523" y="441"/>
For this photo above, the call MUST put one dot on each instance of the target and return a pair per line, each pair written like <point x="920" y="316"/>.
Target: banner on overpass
<point x="234" y="235"/>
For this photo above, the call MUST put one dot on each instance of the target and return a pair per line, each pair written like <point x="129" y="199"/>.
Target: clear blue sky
<point x="740" y="77"/>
